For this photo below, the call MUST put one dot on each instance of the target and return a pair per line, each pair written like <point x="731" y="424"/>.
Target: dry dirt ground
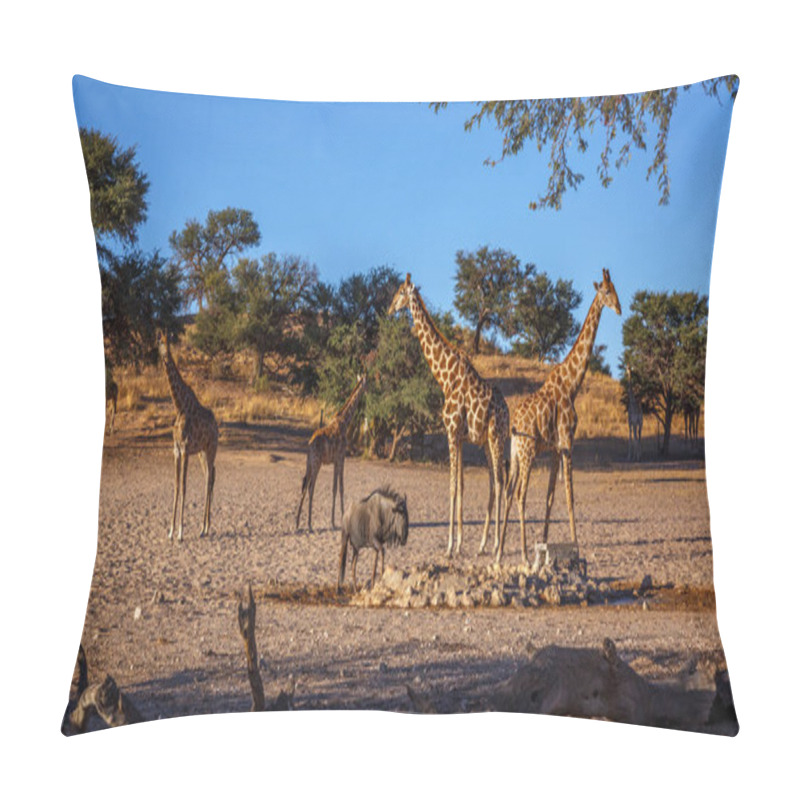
<point x="162" y="616"/>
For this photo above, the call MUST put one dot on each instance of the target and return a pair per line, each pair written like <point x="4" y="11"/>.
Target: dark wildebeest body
<point x="380" y="519"/>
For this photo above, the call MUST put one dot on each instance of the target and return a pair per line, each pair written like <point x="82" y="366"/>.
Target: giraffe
<point x="195" y="431"/>
<point x="635" y="420"/>
<point x="328" y="446"/>
<point x="474" y="410"/>
<point x="546" y="420"/>
<point x="112" y="394"/>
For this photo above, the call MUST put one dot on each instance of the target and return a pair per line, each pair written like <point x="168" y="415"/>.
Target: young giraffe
<point x="546" y="420"/>
<point x="195" y="431"/>
<point x="473" y="410"/>
<point x="328" y="446"/>
<point x="635" y="421"/>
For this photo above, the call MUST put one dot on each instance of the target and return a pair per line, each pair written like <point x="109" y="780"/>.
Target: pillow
<point x="411" y="296"/>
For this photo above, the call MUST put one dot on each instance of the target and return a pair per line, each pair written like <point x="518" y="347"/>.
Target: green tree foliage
<point x="261" y="306"/>
<point x="202" y="252"/>
<point x="485" y="285"/>
<point x="664" y="343"/>
<point x="341" y="364"/>
<point x="139" y="294"/>
<point x="364" y="298"/>
<point x="117" y="189"/>
<point x="560" y="124"/>
<point x="542" y="316"/>
<point x="403" y="398"/>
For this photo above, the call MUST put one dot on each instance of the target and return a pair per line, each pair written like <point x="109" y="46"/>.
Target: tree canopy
<point x="202" y="252"/>
<point x="486" y="282"/>
<point x="117" y="189"/>
<point x="664" y="343"/>
<point x="558" y="123"/>
<point x="542" y="315"/>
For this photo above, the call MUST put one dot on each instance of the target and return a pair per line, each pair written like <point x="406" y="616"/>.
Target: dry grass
<point x="224" y="386"/>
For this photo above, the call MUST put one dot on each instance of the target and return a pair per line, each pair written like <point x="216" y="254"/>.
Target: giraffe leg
<point x="499" y="481"/>
<point x="485" y="536"/>
<point x="341" y="489"/>
<point x="451" y="440"/>
<point x="208" y="467"/>
<point x="526" y="465"/>
<point x="460" y="499"/>
<point x="566" y="457"/>
<point x="175" y="495"/>
<point x="336" y="479"/>
<point x="551" y="490"/>
<point x="312" y="481"/>
<point x="184" y="469"/>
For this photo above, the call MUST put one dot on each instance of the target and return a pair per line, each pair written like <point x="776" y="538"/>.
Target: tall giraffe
<point x="328" y="445"/>
<point x="635" y="421"/>
<point x="195" y="431"/>
<point x="474" y="410"/>
<point x="546" y="420"/>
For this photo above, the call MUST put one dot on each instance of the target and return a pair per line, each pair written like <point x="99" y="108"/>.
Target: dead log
<point x="599" y="684"/>
<point x="108" y="702"/>
<point x="103" y="699"/>
<point x="247" y="627"/>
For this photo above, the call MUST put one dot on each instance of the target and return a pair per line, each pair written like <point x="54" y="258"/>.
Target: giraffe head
<point x="402" y="297"/>
<point x="607" y="293"/>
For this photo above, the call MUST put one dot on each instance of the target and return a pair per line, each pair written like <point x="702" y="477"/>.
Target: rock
<point x="646" y="584"/>
<point x="552" y="595"/>
<point x="392" y="579"/>
<point x="467" y="600"/>
<point x="451" y="598"/>
<point x="497" y="599"/>
<point x="137" y="613"/>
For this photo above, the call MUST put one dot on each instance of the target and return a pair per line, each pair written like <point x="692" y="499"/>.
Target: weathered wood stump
<point x="247" y="627"/>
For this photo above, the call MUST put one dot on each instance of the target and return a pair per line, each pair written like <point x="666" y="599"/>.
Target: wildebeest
<point x="380" y="519"/>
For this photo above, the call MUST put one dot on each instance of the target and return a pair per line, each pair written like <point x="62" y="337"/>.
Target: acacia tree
<point x="664" y="343"/>
<point x="260" y="306"/>
<point x="403" y="398"/>
<point x="542" y="316"/>
<point x="485" y="284"/>
<point x="117" y="190"/>
<point x="558" y="123"/>
<point x="202" y="252"/>
<point x="139" y="292"/>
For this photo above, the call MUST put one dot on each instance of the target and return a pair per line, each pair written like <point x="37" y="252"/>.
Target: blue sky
<point x="351" y="186"/>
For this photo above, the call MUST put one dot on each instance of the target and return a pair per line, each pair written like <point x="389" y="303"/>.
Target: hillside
<point x="223" y="385"/>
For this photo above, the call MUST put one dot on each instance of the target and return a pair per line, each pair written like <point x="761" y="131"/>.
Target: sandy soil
<point x="161" y="617"/>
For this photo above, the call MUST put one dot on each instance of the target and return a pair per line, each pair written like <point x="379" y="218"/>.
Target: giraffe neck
<point x="346" y="413"/>
<point x="182" y="395"/>
<point x="573" y="368"/>
<point x="438" y="352"/>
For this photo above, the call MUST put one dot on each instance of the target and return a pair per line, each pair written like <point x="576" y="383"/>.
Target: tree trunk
<point x="247" y="628"/>
<point x="476" y="342"/>
<point x="396" y="437"/>
<point x="667" y="427"/>
<point x="258" y="366"/>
